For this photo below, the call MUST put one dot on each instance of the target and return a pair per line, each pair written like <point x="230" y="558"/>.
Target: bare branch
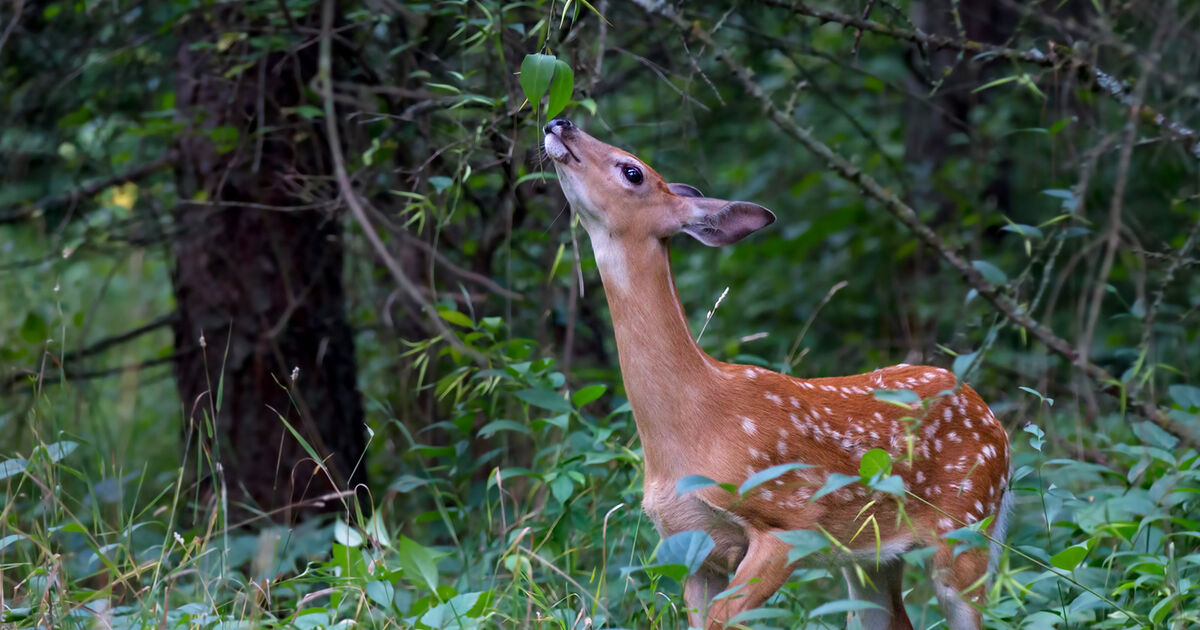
<point x="74" y="196"/>
<point x="325" y="81"/>
<point x="1059" y="55"/>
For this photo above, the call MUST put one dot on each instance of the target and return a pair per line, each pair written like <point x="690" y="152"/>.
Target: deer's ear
<point x="715" y="222"/>
<point x="683" y="190"/>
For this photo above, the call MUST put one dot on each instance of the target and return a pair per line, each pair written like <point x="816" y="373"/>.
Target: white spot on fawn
<point x="775" y="398"/>
<point x="751" y="373"/>
<point x="748" y="426"/>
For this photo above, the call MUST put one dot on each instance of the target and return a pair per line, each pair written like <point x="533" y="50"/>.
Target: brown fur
<point x="699" y="416"/>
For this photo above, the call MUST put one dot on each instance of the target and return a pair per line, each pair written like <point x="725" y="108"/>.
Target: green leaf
<point x="377" y="529"/>
<point x="382" y="593"/>
<point x="1027" y="231"/>
<point x="758" y="614"/>
<point x="834" y="482"/>
<point x="459" y="606"/>
<point x="1186" y="396"/>
<point x="562" y="487"/>
<point x="34" y="329"/>
<point x="346" y="535"/>
<point x="900" y="397"/>
<point x="1070" y="557"/>
<point x="1153" y="435"/>
<point x="843" y="606"/>
<point x="417" y="562"/>
<point x="688" y="548"/>
<point x="440" y="182"/>
<point x="10" y="467"/>
<point x="990" y="272"/>
<point x="962" y="362"/>
<point x="1039" y="436"/>
<point x="8" y="540"/>
<point x="1160" y="610"/>
<point x="1030" y="390"/>
<point x="456" y="318"/>
<point x="804" y="542"/>
<point x="875" y="462"/>
<point x="588" y="394"/>
<point x="536" y="72"/>
<point x="891" y="484"/>
<point x="309" y="112"/>
<point x="992" y="84"/>
<point x="767" y="474"/>
<point x="496" y="426"/>
<point x="545" y="398"/>
<point x="59" y="450"/>
<point x="691" y="483"/>
<point x="561" y="88"/>
<point x="547" y="175"/>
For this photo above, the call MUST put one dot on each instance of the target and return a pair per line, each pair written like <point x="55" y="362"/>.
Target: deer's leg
<point x="698" y="591"/>
<point x="885" y="588"/>
<point x="762" y="571"/>
<point x="959" y="582"/>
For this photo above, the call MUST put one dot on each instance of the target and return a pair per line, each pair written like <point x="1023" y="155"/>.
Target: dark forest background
<point x="296" y="329"/>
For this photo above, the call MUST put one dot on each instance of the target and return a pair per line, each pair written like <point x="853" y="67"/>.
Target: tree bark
<point x="262" y="287"/>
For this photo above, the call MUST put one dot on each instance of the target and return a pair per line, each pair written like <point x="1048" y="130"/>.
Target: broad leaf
<point x="899" y="397"/>
<point x="1070" y="557"/>
<point x="875" y="461"/>
<point x="804" y="542"/>
<point x="990" y="272"/>
<point x="767" y="474"/>
<point x="843" y="606"/>
<point x="536" y="72"/>
<point x="561" y="88"/>
<point x="588" y="394"/>
<point x="688" y="548"/>
<point x="835" y="482"/>
<point x="418" y="563"/>
<point x="545" y="398"/>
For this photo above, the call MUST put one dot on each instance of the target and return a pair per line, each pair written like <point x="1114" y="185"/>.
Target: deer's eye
<point x="633" y="174"/>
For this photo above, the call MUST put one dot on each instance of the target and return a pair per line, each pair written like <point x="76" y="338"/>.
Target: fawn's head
<point x="618" y="194"/>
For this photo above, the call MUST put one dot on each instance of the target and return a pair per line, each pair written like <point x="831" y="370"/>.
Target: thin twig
<point x="23" y="212"/>
<point x="1177" y="262"/>
<point x="324" y="80"/>
<point x="18" y="5"/>
<point x="465" y="274"/>
<point x="1057" y="55"/>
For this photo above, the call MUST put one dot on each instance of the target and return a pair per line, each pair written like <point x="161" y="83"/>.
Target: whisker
<point x="555" y="219"/>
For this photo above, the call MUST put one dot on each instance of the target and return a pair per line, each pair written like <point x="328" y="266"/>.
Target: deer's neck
<point x="667" y="376"/>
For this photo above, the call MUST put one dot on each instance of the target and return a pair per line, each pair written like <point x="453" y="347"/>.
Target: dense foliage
<point x="1050" y="148"/>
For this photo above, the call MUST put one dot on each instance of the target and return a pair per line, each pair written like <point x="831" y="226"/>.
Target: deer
<point x="696" y="415"/>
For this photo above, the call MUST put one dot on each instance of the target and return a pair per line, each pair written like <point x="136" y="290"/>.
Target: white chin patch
<point x="555" y="148"/>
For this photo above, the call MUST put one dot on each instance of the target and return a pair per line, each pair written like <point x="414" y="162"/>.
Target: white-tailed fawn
<point x="696" y="415"/>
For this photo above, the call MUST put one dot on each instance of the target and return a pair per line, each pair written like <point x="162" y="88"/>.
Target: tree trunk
<point x="259" y="291"/>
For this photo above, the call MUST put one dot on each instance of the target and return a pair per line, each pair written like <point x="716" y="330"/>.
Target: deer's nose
<point x="561" y="123"/>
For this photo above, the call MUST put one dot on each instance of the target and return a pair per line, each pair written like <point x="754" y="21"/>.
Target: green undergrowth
<point x="521" y="510"/>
